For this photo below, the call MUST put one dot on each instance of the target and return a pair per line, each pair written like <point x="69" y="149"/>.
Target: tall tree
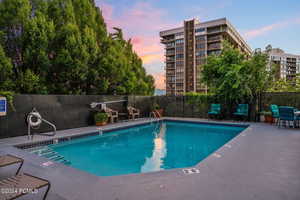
<point x="13" y="16"/>
<point x="234" y="78"/>
<point x="6" y="72"/>
<point x="62" y="47"/>
<point x="37" y="45"/>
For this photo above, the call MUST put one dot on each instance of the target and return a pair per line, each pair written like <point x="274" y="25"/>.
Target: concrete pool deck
<point x="263" y="162"/>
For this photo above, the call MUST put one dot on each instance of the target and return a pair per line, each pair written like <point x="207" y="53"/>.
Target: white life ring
<point x="35" y="115"/>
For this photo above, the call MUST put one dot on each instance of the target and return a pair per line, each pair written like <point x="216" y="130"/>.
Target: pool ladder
<point x="153" y="117"/>
<point x="50" y="154"/>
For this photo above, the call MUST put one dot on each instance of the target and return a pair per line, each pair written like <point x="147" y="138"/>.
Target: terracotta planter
<point x="101" y="123"/>
<point x="269" y="119"/>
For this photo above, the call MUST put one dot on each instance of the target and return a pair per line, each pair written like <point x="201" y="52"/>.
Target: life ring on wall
<point x="34" y="115"/>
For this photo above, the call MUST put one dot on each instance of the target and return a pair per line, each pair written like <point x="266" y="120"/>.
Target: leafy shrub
<point x="100" y="117"/>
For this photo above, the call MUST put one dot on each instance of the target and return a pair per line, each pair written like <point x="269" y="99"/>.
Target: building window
<point x="179" y="56"/>
<point x="179" y="63"/>
<point x="170" y="44"/>
<point x="200" y="38"/>
<point x="179" y="41"/>
<point x="200" y="53"/>
<point x="214" y="46"/>
<point x="212" y="38"/>
<point x="198" y="30"/>
<point x="217" y="52"/>
<point x="179" y="69"/>
<point x="213" y="29"/>
<point x="180" y="48"/>
<point x="200" y="45"/>
<point x="179" y="34"/>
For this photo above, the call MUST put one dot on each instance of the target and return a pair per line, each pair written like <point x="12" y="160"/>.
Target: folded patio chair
<point x="242" y="110"/>
<point x="113" y="115"/>
<point x="275" y="112"/>
<point x="22" y="184"/>
<point x="7" y="160"/>
<point x="215" y="109"/>
<point x="287" y="115"/>
<point x="133" y="112"/>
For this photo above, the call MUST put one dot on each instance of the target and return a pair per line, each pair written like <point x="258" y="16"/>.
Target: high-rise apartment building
<point x="288" y="65"/>
<point x="187" y="47"/>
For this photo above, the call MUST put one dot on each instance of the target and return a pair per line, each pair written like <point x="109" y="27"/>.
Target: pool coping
<point x="46" y="140"/>
<point x="113" y="187"/>
<point x="106" y="129"/>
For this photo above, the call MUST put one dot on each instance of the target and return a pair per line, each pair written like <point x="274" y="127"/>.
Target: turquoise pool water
<point x="146" y="148"/>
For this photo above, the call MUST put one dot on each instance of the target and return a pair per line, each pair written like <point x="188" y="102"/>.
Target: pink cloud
<point x="265" y="29"/>
<point x="147" y="46"/>
<point x="136" y="40"/>
<point x="151" y="58"/>
<point x="142" y="23"/>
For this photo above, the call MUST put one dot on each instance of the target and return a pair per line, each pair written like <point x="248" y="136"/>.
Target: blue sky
<point x="260" y="22"/>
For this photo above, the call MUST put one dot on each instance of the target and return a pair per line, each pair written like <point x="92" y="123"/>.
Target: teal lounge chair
<point x="242" y="110"/>
<point x="275" y="112"/>
<point x="298" y="119"/>
<point x="215" y="109"/>
<point x="287" y="115"/>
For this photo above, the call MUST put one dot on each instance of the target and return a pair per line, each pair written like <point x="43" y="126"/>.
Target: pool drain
<point x="191" y="171"/>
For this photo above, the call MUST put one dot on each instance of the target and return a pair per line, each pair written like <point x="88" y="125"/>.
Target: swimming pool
<point x="146" y="148"/>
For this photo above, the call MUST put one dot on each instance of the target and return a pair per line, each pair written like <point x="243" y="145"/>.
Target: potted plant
<point x="100" y="119"/>
<point x="156" y="108"/>
<point x="266" y="116"/>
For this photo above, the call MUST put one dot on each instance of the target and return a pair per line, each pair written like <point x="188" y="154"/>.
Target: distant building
<point x="288" y="65"/>
<point x="187" y="47"/>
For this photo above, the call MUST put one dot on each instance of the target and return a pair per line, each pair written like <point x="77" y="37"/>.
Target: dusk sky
<point x="260" y="22"/>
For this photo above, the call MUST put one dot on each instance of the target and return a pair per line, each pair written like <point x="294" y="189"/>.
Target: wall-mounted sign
<point x="3" y="106"/>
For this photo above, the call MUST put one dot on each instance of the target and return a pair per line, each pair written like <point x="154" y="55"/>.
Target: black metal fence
<point x="185" y="106"/>
<point x="72" y="111"/>
<point x="65" y="111"/>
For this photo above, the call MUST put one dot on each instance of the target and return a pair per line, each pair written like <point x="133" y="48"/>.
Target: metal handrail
<point x="47" y="122"/>
<point x="153" y="115"/>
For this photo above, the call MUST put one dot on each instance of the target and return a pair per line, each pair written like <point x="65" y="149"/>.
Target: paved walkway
<point x="263" y="162"/>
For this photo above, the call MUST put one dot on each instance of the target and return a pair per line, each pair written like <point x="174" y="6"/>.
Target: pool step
<point x="40" y="150"/>
<point x="49" y="153"/>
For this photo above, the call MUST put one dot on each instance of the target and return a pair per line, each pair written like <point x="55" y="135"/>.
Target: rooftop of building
<point x="210" y="23"/>
<point x="279" y="52"/>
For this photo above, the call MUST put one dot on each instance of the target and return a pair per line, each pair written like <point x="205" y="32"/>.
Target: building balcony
<point x="164" y="41"/>
<point x="213" y="48"/>
<point x="170" y="73"/>
<point x="170" y="53"/>
<point x="214" y="32"/>
<point x="212" y="40"/>
<point x="170" y="47"/>
<point x="170" y="68"/>
<point x="170" y="61"/>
